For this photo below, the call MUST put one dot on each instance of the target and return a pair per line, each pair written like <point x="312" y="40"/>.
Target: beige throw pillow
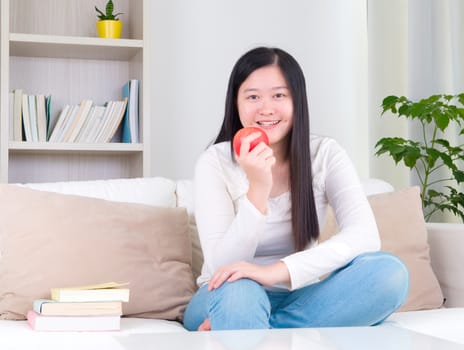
<point x="402" y="230"/>
<point x="55" y="240"/>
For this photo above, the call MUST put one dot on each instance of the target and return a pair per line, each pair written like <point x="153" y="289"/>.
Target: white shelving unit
<point x="50" y="47"/>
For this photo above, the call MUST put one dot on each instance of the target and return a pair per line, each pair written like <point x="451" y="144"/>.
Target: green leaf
<point x="109" y="8"/>
<point x="389" y="103"/>
<point x="417" y="109"/>
<point x="441" y="120"/>
<point x="404" y="110"/>
<point x="411" y="155"/>
<point x="448" y="161"/>
<point x="432" y="193"/>
<point x="443" y="142"/>
<point x="460" y="98"/>
<point x="458" y="175"/>
<point x="433" y="155"/>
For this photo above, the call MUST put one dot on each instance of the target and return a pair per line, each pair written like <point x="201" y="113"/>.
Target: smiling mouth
<point x="268" y="123"/>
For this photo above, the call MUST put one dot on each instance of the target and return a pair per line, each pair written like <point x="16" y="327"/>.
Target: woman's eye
<point x="252" y="97"/>
<point x="279" y="95"/>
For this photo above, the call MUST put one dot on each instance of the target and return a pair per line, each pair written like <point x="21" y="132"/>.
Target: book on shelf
<point x="110" y="291"/>
<point x="49" y="307"/>
<point x="103" y="122"/>
<point x="41" y="118"/>
<point x="114" y="120"/>
<point x="110" y="121"/>
<point x="26" y="118"/>
<point x="48" y="103"/>
<point x="33" y="117"/>
<point x="11" y="116"/>
<point x="93" y="125"/>
<point x="130" y="125"/>
<point x="78" y="120"/>
<point x="59" y="125"/>
<point x="87" y="124"/>
<point x="65" y="125"/>
<point x="40" y="322"/>
<point x="17" y="115"/>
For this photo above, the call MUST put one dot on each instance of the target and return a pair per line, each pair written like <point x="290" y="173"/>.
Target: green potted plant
<point x="438" y="164"/>
<point x="108" y="24"/>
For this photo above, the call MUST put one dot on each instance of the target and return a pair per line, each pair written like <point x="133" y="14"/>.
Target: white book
<point x="33" y="118"/>
<point x="95" y="113"/>
<point x="41" y="118"/>
<point x="105" y="121"/>
<point x="78" y="121"/>
<point x="85" y="126"/>
<point x="96" y="126"/>
<point x="73" y="323"/>
<point x="134" y="110"/>
<point x="18" y="120"/>
<point x="59" y="124"/>
<point x="67" y="122"/>
<point x="26" y="119"/>
<point x="11" y="115"/>
<point x="115" y="120"/>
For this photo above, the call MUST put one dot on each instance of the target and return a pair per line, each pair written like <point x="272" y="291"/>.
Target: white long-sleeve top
<point x="231" y="229"/>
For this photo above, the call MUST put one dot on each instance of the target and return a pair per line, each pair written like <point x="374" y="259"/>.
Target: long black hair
<point x="304" y="217"/>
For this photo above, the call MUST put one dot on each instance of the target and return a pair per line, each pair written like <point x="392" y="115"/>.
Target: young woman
<point x="259" y="215"/>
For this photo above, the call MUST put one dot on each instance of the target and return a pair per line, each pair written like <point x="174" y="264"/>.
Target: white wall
<point x="194" y="44"/>
<point x="388" y="75"/>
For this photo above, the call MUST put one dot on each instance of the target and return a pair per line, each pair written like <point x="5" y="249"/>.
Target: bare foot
<point x="205" y="326"/>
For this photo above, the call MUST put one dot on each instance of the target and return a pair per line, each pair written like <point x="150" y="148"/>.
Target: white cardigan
<point x="231" y="229"/>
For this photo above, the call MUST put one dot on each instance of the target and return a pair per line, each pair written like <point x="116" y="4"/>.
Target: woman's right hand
<point x="257" y="165"/>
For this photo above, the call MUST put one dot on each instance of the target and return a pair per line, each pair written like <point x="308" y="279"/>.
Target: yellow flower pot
<point x="109" y="29"/>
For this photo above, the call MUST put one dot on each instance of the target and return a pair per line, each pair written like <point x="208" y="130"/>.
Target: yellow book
<point x="110" y="291"/>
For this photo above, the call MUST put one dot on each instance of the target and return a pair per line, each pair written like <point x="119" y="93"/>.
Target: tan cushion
<point x="184" y="191"/>
<point x="55" y="240"/>
<point x="402" y="230"/>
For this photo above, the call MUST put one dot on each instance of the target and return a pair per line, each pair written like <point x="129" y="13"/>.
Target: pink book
<point x="73" y="323"/>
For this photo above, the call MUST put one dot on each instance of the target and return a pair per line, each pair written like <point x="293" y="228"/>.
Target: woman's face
<point x="264" y="100"/>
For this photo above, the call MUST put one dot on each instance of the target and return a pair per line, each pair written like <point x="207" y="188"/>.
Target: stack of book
<point x="85" y="308"/>
<point x="87" y="123"/>
<point x="29" y="116"/>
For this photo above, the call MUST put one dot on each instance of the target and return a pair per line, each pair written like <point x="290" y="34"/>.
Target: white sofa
<point x="446" y="248"/>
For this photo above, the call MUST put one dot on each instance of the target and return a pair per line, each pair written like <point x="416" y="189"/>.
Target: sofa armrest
<point x="447" y="256"/>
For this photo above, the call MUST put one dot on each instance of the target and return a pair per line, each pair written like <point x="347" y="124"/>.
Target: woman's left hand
<point x="265" y="275"/>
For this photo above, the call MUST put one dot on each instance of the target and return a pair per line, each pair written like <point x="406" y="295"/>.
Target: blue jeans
<point x="362" y="293"/>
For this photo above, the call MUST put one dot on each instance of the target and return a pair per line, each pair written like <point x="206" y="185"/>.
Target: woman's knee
<point x="240" y="296"/>
<point x="390" y="275"/>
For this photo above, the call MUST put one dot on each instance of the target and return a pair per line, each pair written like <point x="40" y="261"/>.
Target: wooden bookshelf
<point x="50" y="47"/>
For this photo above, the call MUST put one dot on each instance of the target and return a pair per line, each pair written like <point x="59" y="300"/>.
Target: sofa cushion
<point x="56" y="240"/>
<point x="446" y="252"/>
<point x="445" y="323"/>
<point x="157" y="191"/>
<point x="402" y="230"/>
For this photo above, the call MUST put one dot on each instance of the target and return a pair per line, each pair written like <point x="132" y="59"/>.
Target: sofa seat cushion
<point x="52" y="240"/>
<point x="445" y="323"/>
<point x="18" y="335"/>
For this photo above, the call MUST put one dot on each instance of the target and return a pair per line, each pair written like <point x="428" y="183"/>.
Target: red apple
<point x="237" y="141"/>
